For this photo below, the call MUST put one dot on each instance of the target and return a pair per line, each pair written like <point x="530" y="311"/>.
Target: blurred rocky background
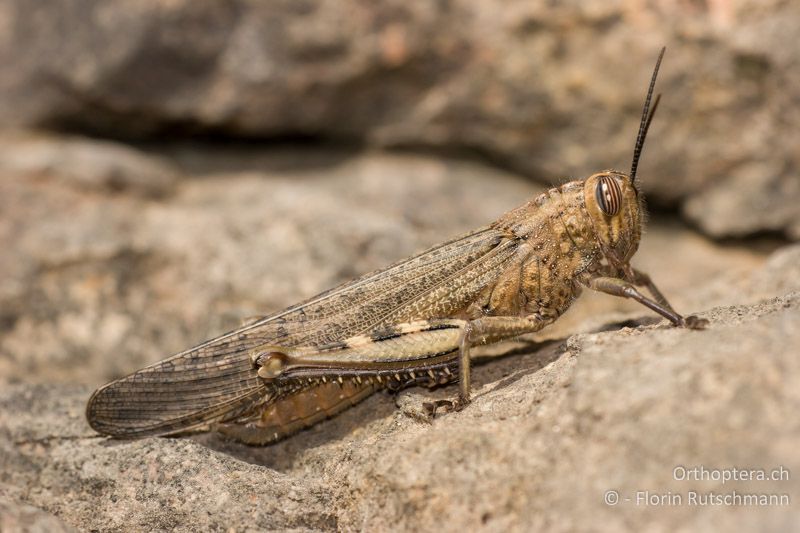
<point x="168" y="168"/>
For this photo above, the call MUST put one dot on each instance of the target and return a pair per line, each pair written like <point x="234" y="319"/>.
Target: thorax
<point x="557" y="245"/>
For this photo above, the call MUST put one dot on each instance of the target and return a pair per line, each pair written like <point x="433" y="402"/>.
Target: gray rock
<point x="758" y="196"/>
<point x="97" y="165"/>
<point x="18" y="517"/>
<point x="550" y="432"/>
<point x="548" y="89"/>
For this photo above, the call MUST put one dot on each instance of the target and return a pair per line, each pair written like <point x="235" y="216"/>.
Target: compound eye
<point x="608" y="195"/>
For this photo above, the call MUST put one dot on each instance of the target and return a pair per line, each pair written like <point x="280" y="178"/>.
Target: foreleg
<point x="624" y="289"/>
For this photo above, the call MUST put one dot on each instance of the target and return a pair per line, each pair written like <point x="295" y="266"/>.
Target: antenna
<point x="647" y="117"/>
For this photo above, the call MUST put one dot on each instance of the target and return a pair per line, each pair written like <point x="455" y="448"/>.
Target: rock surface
<point x="549" y="433"/>
<point x="548" y="89"/>
<point x="102" y="279"/>
<point x="15" y="516"/>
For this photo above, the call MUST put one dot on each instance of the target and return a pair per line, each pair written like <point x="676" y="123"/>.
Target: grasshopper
<point x="410" y="323"/>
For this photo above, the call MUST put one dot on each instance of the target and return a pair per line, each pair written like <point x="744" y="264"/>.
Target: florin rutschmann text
<point x="699" y="476"/>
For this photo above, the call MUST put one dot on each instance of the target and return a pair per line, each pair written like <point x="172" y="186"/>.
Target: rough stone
<point x="550" y="432"/>
<point x="753" y="197"/>
<point x="16" y="517"/>
<point x="91" y="164"/>
<point x="549" y="89"/>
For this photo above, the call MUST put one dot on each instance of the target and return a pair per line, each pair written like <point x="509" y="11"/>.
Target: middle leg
<point x="483" y="331"/>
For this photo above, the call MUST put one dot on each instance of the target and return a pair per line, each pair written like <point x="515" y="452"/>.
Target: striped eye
<point x="609" y="195"/>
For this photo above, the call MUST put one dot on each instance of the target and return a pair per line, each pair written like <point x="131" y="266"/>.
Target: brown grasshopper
<point x="410" y="323"/>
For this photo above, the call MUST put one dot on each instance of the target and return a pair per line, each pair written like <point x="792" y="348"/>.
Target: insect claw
<point x="449" y="406"/>
<point x="695" y="322"/>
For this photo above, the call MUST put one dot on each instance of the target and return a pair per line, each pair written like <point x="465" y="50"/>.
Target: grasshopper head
<point x="613" y="200"/>
<point x="616" y="209"/>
